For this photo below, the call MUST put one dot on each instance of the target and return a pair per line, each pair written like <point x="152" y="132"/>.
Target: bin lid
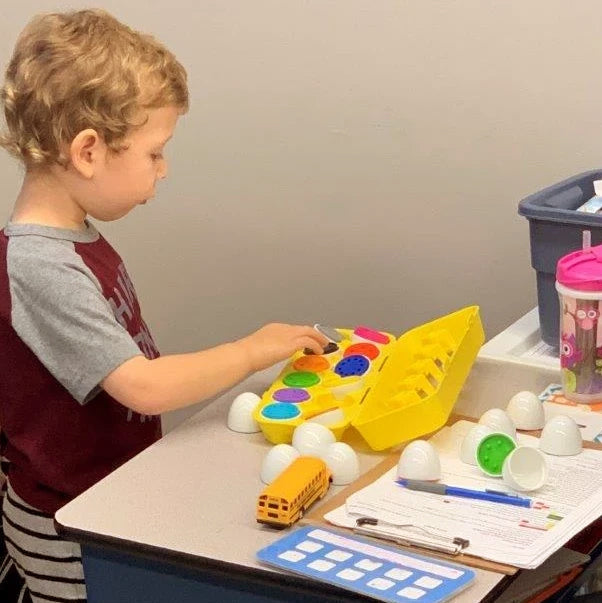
<point x="557" y="203"/>
<point x="581" y="269"/>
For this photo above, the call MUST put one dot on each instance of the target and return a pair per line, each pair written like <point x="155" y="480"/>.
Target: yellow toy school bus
<point x="285" y="500"/>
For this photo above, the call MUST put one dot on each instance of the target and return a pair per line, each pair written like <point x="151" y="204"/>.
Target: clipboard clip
<point x="370" y="526"/>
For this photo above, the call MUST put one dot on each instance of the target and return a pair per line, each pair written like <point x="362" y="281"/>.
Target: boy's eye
<point x="156" y="156"/>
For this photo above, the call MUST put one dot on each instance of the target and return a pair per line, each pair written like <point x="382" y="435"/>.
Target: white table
<point x="521" y="343"/>
<point x="179" y="517"/>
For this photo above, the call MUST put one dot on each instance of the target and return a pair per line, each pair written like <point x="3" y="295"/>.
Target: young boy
<point x="89" y="106"/>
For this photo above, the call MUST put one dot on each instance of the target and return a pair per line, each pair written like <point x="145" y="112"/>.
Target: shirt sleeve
<point x="60" y="313"/>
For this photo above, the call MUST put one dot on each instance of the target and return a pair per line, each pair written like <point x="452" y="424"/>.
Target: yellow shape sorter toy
<point x="391" y="390"/>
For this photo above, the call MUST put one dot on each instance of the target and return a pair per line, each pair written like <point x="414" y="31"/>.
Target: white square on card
<point x="428" y="582"/>
<point x="293" y="556"/>
<point x="380" y="583"/>
<point x="411" y="593"/>
<point x="398" y="574"/>
<point x="338" y="555"/>
<point x="309" y="547"/>
<point x="368" y="565"/>
<point x="350" y="574"/>
<point x="320" y="565"/>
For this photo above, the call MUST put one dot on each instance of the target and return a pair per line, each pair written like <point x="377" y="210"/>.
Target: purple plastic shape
<point x="291" y="394"/>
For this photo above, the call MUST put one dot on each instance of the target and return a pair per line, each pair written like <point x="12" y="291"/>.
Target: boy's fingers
<point x="315" y="334"/>
<point x="312" y="344"/>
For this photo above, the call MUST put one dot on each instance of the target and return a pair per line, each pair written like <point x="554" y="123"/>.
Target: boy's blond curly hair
<point x="83" y="69"/>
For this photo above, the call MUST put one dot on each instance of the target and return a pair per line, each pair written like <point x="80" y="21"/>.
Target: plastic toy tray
<point x="378" y="571"/>
<point x="391" y="390"/>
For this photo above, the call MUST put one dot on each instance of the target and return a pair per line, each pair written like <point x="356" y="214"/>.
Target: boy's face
<point x="128" y="178"/>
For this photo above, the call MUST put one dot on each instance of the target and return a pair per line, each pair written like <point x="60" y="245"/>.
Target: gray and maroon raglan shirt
<point x="69" y="316"/>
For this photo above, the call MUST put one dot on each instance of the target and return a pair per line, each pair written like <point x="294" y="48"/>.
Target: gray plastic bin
<point x="557" y="229"/>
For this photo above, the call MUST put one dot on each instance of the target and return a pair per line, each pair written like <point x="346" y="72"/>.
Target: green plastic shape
<point x="301" y="379"/>
<point x="492" y="452"/>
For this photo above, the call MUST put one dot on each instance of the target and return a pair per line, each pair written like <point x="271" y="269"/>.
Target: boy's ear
<point x="85" y="151"/>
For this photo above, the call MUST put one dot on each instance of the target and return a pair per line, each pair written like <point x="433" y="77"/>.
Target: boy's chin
<point x="111" y="216"/>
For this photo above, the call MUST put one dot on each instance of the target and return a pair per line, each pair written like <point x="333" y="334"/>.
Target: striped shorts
<point x="52" y="567"/>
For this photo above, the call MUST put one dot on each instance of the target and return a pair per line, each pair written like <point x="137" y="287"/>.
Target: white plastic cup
<point x="525" y="469"/>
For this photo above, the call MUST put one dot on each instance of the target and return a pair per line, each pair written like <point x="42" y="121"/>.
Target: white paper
<point x="542" y="351"/>
<point x="524" y="537"/>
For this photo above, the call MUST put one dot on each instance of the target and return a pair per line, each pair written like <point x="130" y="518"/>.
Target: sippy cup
<point x="579" y="286"/>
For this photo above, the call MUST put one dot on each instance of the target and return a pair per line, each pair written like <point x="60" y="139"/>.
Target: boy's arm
<point x="174" y="381"/>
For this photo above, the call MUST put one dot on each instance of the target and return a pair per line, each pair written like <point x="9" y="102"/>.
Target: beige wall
<point x="352" y="161"/>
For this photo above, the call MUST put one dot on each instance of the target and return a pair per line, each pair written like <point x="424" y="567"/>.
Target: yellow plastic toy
<point x="391" y="390"/>
<point x="287" y="498"/>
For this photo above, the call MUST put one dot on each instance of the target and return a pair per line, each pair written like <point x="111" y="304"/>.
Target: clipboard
<point x="316" y="516"/>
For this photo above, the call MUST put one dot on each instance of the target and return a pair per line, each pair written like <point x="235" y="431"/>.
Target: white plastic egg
<point x="276" y="461"/>
<point x="240" y="415"/>
<point x="419" y="460"/>
<point x="343" y="463"/>
<point x="499" y="421"/>
<point x="311" y="439"/>
<point x="526" y="411"/>
<point x="561" y="437"/>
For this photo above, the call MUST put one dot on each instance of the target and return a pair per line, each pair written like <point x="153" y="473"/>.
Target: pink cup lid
<point x="581" y="270"/>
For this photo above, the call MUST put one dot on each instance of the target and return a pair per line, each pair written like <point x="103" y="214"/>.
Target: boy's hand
<point x="275" y="342"/>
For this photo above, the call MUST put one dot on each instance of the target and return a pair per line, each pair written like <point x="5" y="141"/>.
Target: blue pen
<point x="435" y="488"/>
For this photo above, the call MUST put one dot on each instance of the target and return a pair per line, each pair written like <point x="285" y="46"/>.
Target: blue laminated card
<point x="381" y="572"/>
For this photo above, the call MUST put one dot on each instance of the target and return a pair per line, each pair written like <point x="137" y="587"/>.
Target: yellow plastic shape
<point x="427" y="395"/>
<point x="408" y="391"/>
